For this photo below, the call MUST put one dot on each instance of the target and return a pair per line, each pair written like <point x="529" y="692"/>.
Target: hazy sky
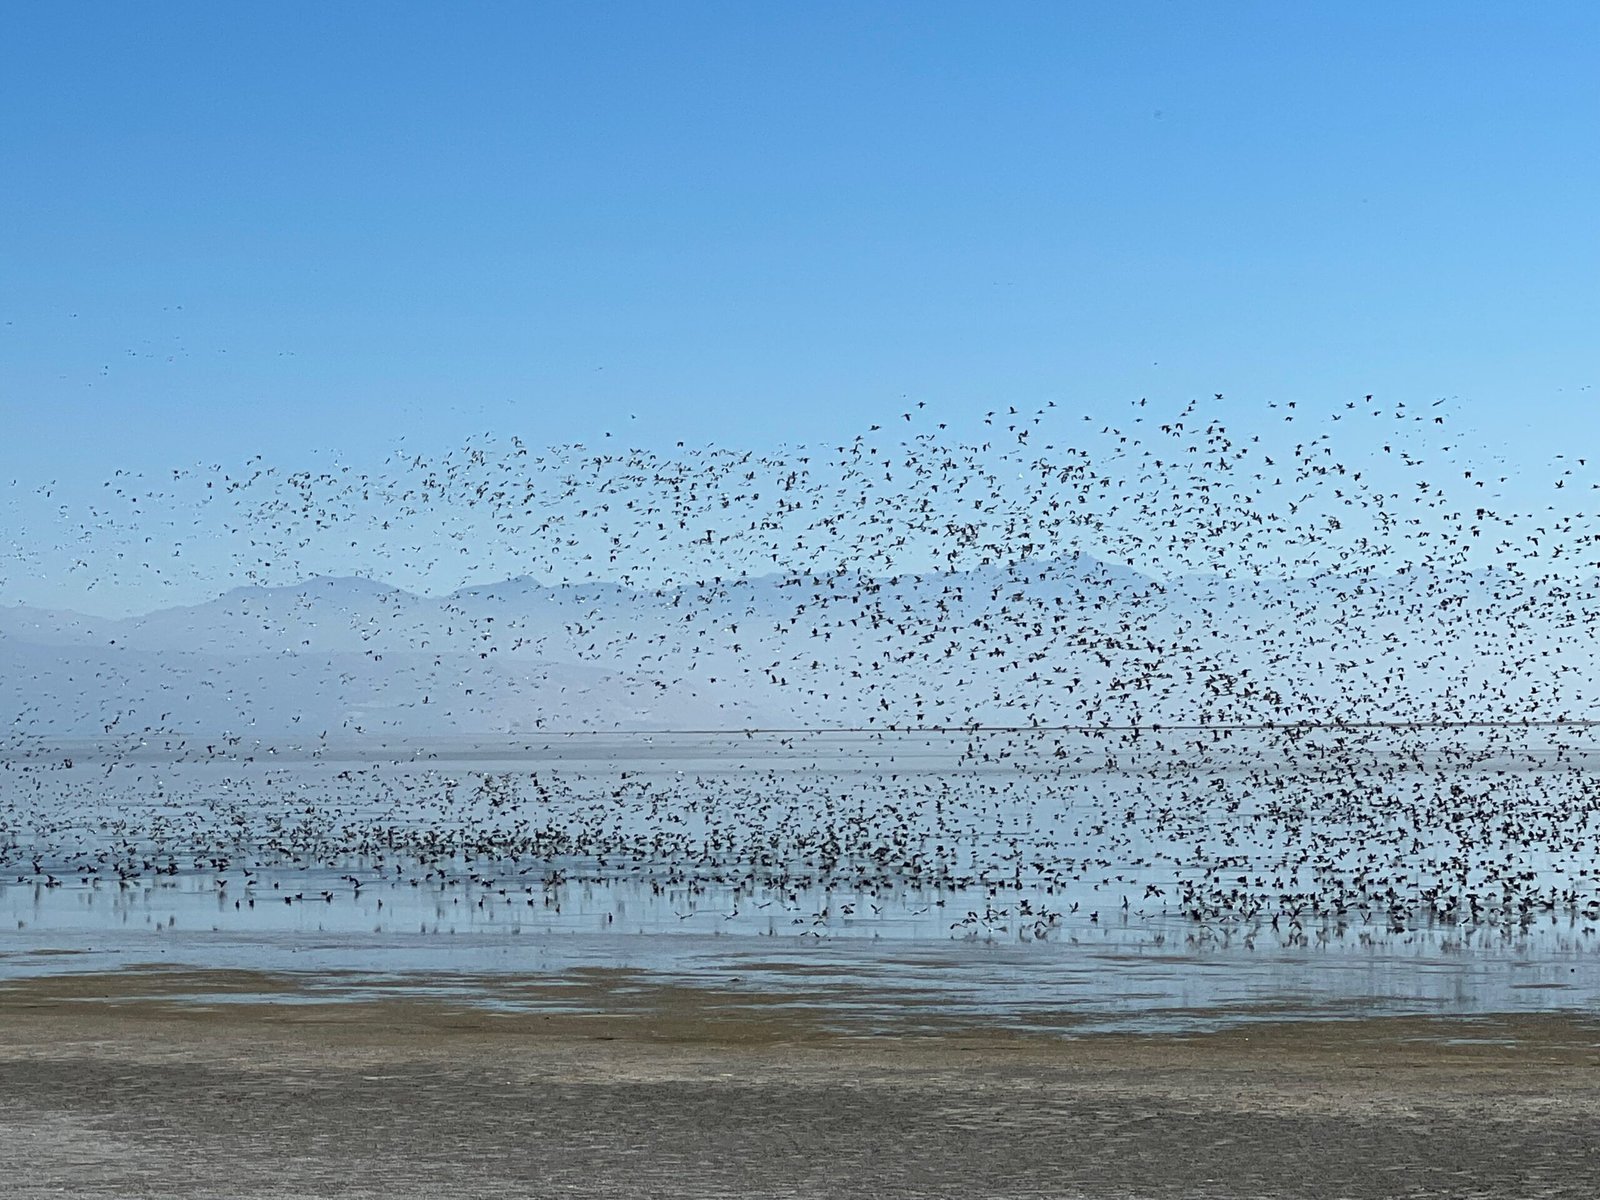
<point x="279" y="228"/>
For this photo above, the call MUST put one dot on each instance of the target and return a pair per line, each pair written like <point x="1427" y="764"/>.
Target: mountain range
<point x="1064" y="641"/>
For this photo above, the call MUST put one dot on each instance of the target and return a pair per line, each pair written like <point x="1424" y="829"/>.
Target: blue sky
<point x="284" y="229"/>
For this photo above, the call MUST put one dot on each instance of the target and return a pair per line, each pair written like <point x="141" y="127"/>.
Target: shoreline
<point x="633" y="1008"/>
<point x="109" y="1088"/>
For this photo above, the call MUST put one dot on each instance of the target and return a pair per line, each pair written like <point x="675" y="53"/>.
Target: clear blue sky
<point x="238" y="229"/>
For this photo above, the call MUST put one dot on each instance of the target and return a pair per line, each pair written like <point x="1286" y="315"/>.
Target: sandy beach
<point x="123" y="1085"/>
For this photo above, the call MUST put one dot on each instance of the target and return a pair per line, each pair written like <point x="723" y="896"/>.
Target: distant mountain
<point x="51" y="627"/>
<point x="1067" y="641"/>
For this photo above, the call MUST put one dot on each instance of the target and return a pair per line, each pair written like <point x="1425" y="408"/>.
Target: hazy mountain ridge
<point x="1064" y="641"/>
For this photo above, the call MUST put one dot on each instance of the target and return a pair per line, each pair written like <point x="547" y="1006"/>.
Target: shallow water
<point x="1031" y="879"/>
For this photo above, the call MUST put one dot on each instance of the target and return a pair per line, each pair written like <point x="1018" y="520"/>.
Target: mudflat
<point x="227" y="1084"/>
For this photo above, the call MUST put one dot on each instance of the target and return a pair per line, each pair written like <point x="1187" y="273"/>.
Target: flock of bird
<point x="1061" y="673"/>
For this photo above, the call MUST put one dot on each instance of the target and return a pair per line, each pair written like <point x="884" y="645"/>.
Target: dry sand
<point x="123" y="1085"/>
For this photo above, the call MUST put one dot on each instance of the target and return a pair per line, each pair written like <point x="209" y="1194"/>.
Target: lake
<point x="1067" y="880"/>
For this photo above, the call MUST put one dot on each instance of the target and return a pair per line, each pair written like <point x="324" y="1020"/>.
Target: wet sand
<point x="125" y="1085"/>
